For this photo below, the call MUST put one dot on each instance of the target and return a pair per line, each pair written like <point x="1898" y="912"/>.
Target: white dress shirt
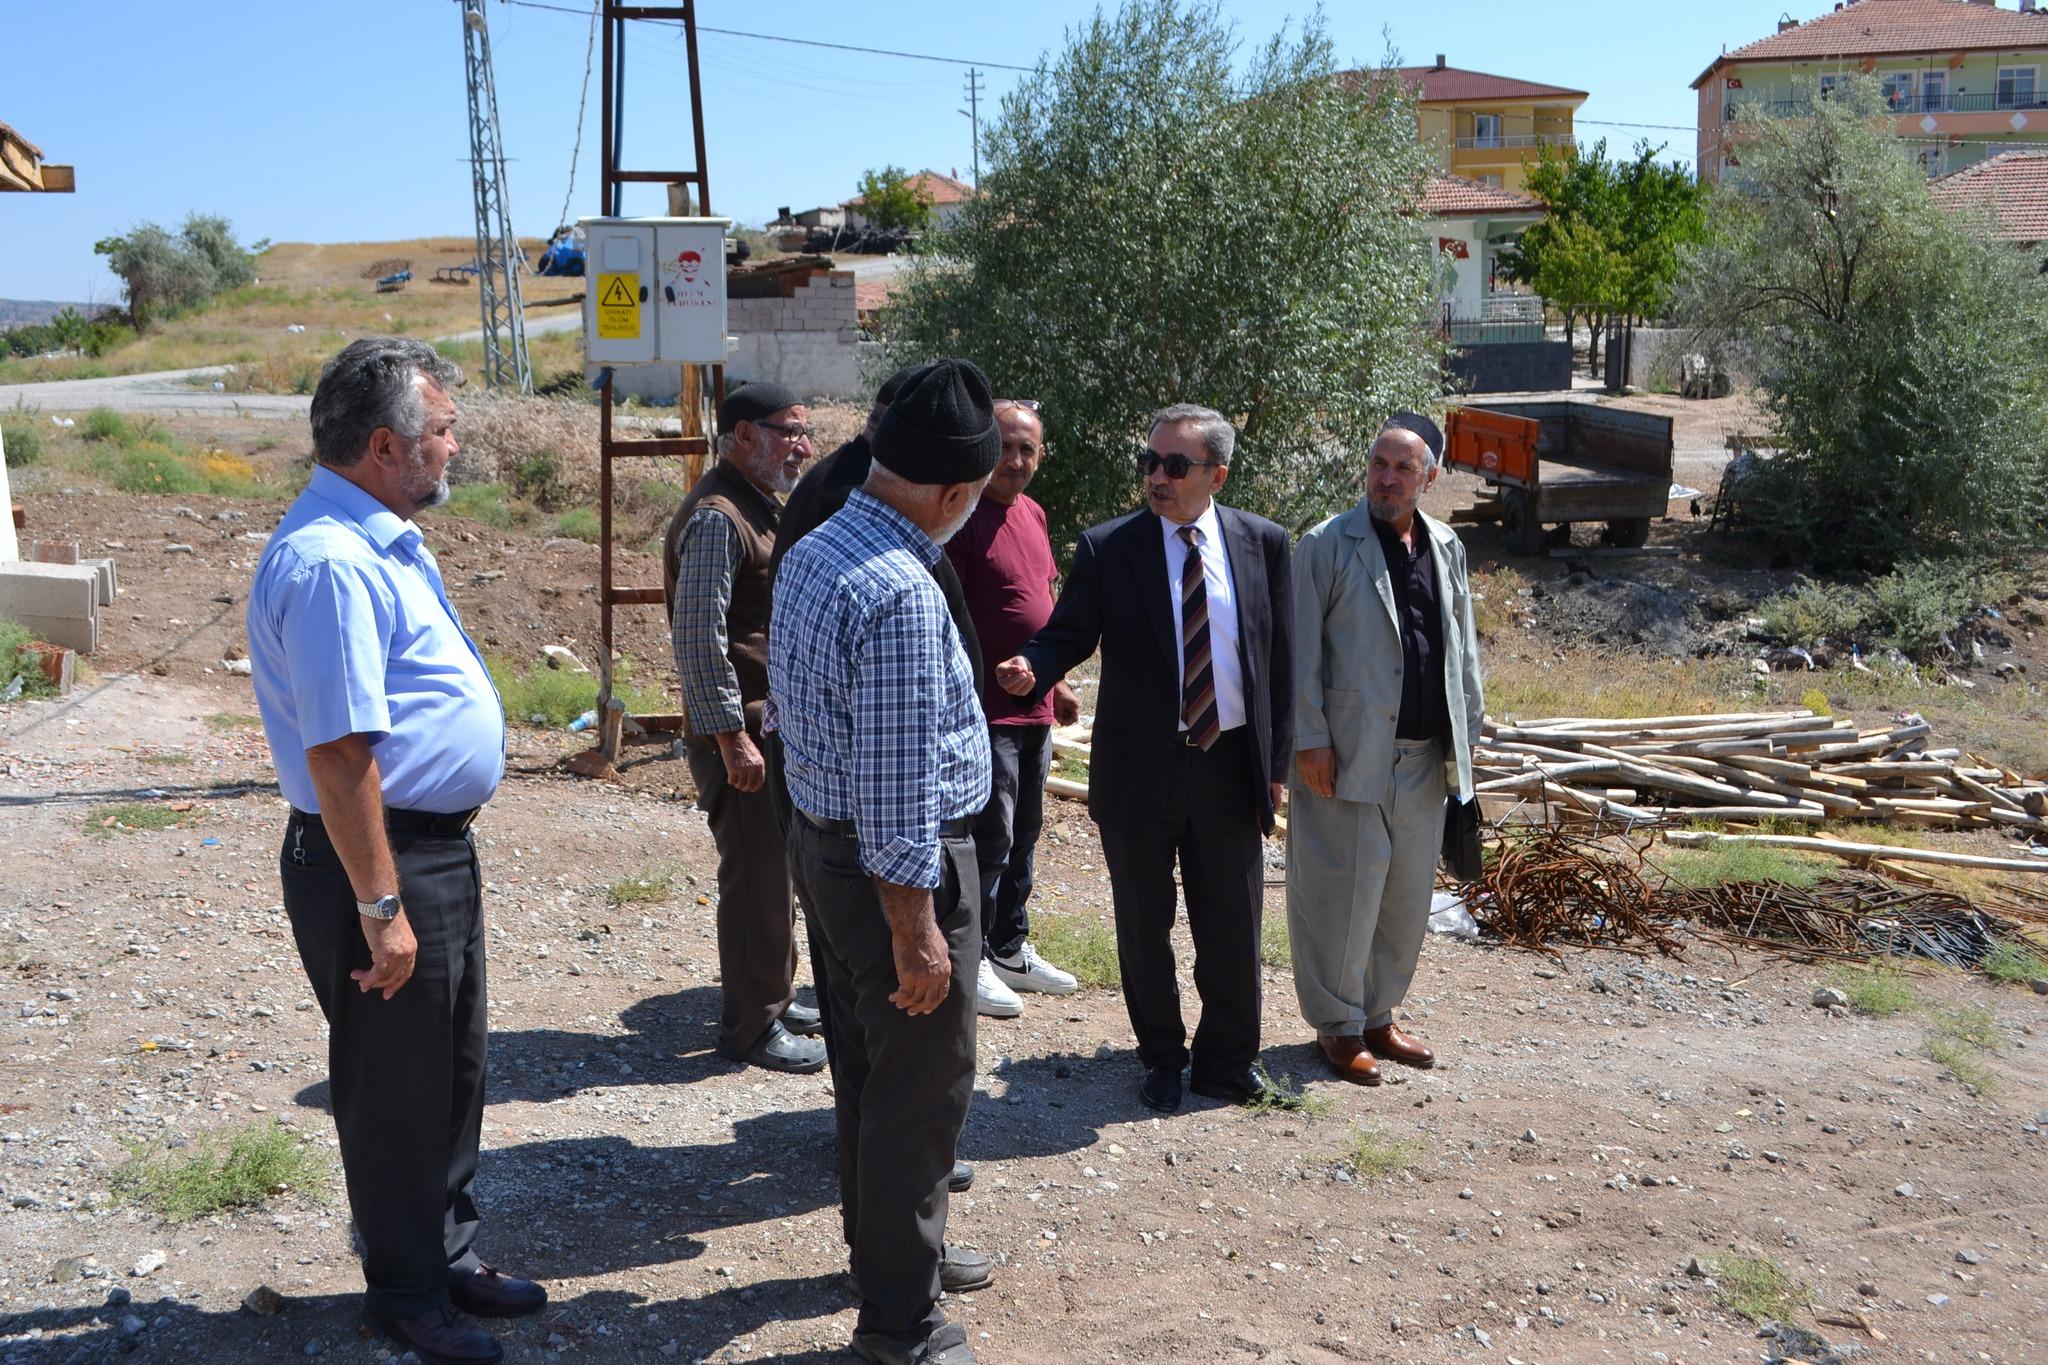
<point x="1223" y="660"/>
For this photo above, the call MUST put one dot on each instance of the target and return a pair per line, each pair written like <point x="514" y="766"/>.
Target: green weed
<point x="1372" y="1155"/>
<point x="24" y="444"/>
<point x="1276" y="946"/>
<point x="1756" y="1287"/>
<point x="133" y="816"/>
<point x="1811" y="612"/>
<point x="149" y="467"/>
<point x="1875" y="989"/>
<point x="2017" y="963"/>
<point x="1284" y="1095"/>
<point x="264" y="1159"/>
<point x="1726" y="861"/>
<point x="1960" y="1040"/>
<point x="580" y="523"/>
<point x="551" y="698"/>
<point x="653" y="884"/>
<point x="1816" y="701"/>
<point x="222" y="722"/>
<point x="104" y="424"/>
<point x="489" y="503"/>
<point x="16" y="660"/>
<point x="1081" y="944"/>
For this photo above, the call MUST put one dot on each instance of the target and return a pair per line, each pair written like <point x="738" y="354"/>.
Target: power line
<point x="801" y="42"/>
<point x="589" y="48"/>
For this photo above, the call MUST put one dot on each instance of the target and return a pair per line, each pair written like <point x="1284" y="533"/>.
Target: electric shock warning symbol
<point x="618" y="307"/>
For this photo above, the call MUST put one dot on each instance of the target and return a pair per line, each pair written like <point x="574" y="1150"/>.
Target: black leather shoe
<point x="780" y="1050"/>
<point x="962" y="1271"/>
<point x="489" y="1293"/>
<point x="1248" y="1088"/>
<point x="962" y="1178"/>
<point x="1161" y="1089"/>
<point x="946" y="1346"/>
<point x="445" y="1336"/>
<point x="802" y="1020"/>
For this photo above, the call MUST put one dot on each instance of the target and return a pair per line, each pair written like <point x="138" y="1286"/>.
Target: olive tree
<point x="1159" y="223"/>
<point x="1897" y="344"/>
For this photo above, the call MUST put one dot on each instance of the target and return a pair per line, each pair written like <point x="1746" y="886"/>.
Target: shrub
<point x="23" y="444"/>
<point x="16" y="660"/>
<point x="1874" y="989"/>
<point x="104" y="424"/>
<point x="1812" y="612"/>
<point x="1372" y="1155"/>
<point x="1721" y="862"/>
<point x="551" y="697"/>
<point x="1756" y="1287"/>
<point x="489" y="503"/>
<point x="2015" y="962"/>
<point x="580" y="523"/>
<point x="151" y="468"/>
<point x="541" y="478"/>
<point x="1915" y="605"/>
<point x="1082" y="944"/>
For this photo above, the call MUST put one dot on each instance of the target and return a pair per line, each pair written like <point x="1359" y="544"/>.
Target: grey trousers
<point x="1359" y="876"/>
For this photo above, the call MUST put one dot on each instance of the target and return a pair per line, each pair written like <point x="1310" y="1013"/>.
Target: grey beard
<point x="952" y="528"/>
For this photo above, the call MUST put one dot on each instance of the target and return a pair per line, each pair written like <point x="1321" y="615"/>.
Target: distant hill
<point x="23" y="312"/>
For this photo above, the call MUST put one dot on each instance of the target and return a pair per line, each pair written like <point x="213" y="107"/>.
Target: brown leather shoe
<point x="490" y="1293"/>
<point x="1347" y="1056"/>
<point x="444" y="1335"/>
<point x="1389" y="1044"/>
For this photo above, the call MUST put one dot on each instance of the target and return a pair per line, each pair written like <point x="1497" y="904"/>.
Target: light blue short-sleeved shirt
<point x="351" y="632"/>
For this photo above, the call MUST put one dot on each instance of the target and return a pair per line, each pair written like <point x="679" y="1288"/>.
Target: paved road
<point x="165" y="391"/>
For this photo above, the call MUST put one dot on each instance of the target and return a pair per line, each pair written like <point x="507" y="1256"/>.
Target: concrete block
<point x="109" y="579"/>
<point x="48" y="590"/>
<point x="72" y="632"/>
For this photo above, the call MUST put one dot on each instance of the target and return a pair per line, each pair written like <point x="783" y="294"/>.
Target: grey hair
<point x="1219" y="438"/>
<point x="371" y="385"/>
<point x="728" y="444"/>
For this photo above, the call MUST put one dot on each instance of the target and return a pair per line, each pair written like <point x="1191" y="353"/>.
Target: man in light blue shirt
<point x="388" y="737"/>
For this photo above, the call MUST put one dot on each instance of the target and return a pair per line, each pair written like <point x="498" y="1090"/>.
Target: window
<point x="1934" y="91"/>
<point x="1898" y="90"/>
<point x="2016" y="86"/>
<point x="1486" y="130"/>
<point x="1490" y="178"/>
<point x="1828" y="84"/>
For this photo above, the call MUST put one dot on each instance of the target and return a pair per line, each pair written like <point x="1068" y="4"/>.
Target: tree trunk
<point x="1593" y="325"/>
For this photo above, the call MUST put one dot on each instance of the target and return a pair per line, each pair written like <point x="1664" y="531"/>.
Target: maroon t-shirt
<point x="1004" y="558"/>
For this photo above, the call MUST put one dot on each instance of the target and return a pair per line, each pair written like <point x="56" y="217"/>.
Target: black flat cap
<point x="1432" y="435"/>
<point x="941" y="426"/>
<point x="753" y="402"/>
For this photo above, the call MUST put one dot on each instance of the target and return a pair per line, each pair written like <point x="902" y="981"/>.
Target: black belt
<point x="948" y="829"/>
<point x="413" y="821"/>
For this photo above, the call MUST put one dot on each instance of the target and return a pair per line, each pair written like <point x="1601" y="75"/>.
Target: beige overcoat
<point x="1347" y="652"/>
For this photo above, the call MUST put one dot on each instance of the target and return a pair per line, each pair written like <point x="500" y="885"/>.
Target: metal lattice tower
<point x="497" y="249"/>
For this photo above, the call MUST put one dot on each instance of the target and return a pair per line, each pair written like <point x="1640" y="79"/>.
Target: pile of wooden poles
<point x="1766" y="765"/>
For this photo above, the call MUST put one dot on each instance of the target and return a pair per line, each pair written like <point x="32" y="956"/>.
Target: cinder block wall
<point x="809" y="343"/>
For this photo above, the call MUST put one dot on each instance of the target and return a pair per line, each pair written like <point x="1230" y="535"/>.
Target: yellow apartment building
<point x="1484" y="127"/>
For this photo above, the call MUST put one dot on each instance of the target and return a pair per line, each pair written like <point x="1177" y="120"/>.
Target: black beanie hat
<point x="941" y="426"/>
<point x="887" y="393"/>
<point x="752" y="402"/>
<point x="1415" y="423"/>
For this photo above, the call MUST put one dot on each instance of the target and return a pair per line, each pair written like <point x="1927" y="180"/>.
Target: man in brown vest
<point x="715" y="571"/>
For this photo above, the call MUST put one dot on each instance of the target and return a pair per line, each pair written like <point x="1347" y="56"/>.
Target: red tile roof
<point x="1454" y="196"/>
<point x="1436" y="84"/>
<point x="1880" y="28"/>
<point x="2012" y="186"/>
<point x="940" y="189"/>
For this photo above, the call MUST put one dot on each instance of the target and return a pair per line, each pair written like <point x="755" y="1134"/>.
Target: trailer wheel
<point x="1630" y="533"/>
<point x="1518" y="524"/>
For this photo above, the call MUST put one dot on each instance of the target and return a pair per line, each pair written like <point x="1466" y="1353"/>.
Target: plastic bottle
<point x="583" y="722"/>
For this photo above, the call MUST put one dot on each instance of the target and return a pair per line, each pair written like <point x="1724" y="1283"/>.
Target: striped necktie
<point x="1197" y="677"/>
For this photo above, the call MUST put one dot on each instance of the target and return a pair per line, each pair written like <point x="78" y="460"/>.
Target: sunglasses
<point x="1176" y="466"/>
<point x="1028" y="404"/>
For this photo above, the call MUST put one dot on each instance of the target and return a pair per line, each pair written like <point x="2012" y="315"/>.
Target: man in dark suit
<point x="1190" y="603"/>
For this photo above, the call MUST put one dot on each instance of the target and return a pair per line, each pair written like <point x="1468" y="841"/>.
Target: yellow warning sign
<point x="618" y="307"/>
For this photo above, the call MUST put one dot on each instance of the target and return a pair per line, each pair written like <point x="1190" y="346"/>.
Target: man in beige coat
<point x="1386" y="693"/>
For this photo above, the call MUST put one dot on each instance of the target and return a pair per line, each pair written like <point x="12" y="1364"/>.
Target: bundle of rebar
<point x="1548" y="884"/>
<point x="1751" y="768"/>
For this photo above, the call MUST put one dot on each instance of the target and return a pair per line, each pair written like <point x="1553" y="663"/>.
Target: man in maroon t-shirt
<point x="1003" y="556"/>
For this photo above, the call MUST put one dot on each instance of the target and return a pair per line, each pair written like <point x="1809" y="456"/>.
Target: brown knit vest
<point x="752" y="513"/>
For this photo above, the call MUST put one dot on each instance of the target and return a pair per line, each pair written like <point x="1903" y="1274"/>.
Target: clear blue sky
<point x="347" y="122"/>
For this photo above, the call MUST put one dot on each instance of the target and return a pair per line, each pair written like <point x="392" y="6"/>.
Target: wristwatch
<point x="384" y="907"/>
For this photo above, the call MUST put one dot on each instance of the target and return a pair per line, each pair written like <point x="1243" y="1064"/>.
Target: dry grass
<point x="1605" y="683"/>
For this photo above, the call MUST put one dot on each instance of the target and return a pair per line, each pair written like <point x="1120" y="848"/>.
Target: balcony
<point x="1503" y="141"/>
<point x="1986" y="103"/>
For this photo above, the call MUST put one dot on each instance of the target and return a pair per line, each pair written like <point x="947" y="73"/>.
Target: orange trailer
<point x="1549" y="464"/>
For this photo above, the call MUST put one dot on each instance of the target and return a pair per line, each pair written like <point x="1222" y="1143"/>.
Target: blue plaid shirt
<point x="872" y="692"/>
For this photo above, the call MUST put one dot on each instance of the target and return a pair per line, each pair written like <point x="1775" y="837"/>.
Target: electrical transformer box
<point x="654" y="291"/>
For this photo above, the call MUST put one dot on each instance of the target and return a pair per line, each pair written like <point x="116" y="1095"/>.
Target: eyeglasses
<point x="1028" y="404"/>
<point x="1176" y="466"/>
<point x="789" y="431"/>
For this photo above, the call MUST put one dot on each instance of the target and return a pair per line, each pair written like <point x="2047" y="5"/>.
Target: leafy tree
<point x="1151" y="230"/>
<point x="162" y="274"/>
<point x="1897" y="344"/>
<point x="1611" y="243"/>
<point x="889" y="199"/>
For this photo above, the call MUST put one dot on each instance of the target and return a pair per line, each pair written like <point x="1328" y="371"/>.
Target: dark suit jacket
<point x="1118" y="595"/>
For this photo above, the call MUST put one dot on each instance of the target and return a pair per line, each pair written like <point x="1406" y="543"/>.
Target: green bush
<point x="489" y="503"/>
<point x="14" y="660"/>
<point x="104" y="424"/>
<point x="150" y="468"/>
<point x="1812" y="612"/>
<point x="541" y="478"/>
<point x="23" y="443"/>
<point x="1915" y="605"/>
<point x="551" y="698"/>
<point x="580" y="523"/>
<point x="264" y="1159"/>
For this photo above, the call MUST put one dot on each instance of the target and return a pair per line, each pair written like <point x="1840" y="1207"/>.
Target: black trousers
<point x="900" y="1084"/>
<point x="1006" y="832"/>
<point x="756" y="915"/>
<point x="1205" y="820"/>
<point x="406" y="1074"/>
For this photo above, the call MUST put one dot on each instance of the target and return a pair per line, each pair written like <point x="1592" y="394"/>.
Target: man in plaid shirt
<point x="887" y="763"/>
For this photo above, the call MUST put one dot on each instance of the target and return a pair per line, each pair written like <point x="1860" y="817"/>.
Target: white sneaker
<point x="1030" y="972"/>
<point x="992" y="997"/>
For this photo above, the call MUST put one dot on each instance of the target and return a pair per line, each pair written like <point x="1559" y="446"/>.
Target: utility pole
<point x="497" y="249"/>
<point x="973" y="115"/>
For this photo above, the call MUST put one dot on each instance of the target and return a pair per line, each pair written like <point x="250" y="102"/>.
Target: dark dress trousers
<point x="1157" y="800"/>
